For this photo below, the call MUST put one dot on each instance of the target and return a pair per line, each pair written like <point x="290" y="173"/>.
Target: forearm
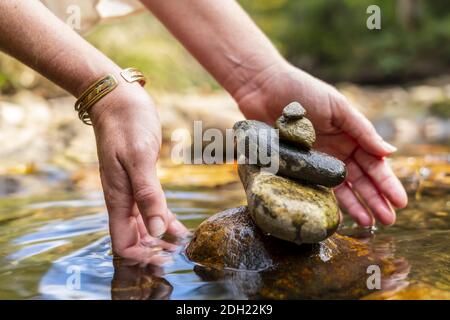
<point x="33" y="35"/>
<point x="221" y="36"/>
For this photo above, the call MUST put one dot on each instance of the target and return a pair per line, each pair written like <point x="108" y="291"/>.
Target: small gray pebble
<point x="294" y="110"/>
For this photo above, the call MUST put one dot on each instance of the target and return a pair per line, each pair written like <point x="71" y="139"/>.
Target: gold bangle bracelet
<point x="132" y="75"/>
<point x="101" y="88"/>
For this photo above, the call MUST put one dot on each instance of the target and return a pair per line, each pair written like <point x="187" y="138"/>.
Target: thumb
<point x="355" y="124"/>
<point x="148" y="193"/>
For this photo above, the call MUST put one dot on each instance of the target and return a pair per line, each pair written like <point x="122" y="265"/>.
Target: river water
<point x="56" y="245"/>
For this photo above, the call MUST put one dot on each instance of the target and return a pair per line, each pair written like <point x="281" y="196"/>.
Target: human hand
<point x="341" y="130"/>
<point x="128" y="139"/>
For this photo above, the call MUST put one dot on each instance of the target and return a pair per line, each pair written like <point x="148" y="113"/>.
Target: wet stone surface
<point x="311" y="167"/>
<point x="229" y="247"/>
<point x="293" y="111"/>
<point x="289" y="210"/>
<point x="299" y="132"/>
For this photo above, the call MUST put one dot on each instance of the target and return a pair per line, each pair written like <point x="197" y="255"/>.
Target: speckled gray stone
<point x="293" y="111"/>
<point x="299" y="132"/>
<point x="289" y="210"/>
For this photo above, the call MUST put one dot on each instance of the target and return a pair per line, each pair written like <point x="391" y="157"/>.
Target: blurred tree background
<point x="328" y="38"/>
<point x="399" y="77"/>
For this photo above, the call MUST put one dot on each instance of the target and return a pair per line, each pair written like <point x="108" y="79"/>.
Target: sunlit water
<point x="45" y="241"/>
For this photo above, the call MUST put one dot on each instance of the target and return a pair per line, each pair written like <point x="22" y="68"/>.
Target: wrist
<point x="111" y="88"/>
<point x="124" y="96"/>
<point x="88" y="73"/>
<point x="255" y="80"/>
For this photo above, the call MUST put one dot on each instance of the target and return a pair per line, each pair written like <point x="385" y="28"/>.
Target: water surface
<point x="45" y="240"/>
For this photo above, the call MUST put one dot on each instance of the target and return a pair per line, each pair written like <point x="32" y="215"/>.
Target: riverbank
<point x="43" y="141"/>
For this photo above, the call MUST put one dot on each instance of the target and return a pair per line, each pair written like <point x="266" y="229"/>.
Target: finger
<point x="148" y="192"/>
<point x="176" y="228"/>
<point x="128" y="244"/>
<point x="146" y="255"/>
<point x="383" y="177"/>
<point x="123" y="218"/>
<point x="362" y="184"/>
<point x="143" y="233"/>
<point x="148" y="240"/>
<point x="361" y="129"/>
<point x="353" y="206"/>
<point x="159" y="244"/>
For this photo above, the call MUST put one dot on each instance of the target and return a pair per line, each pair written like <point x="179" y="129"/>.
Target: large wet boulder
<point x="230" y="239"/>
<point x="254" y="138"/>
<point x="230" y="247"/>
<point x="288" y="210"/>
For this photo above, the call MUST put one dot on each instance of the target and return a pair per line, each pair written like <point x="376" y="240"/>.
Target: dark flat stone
<point x="304" y="165"/>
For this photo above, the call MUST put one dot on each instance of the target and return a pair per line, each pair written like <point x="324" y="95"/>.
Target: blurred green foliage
<point x="10" y="73"/>
<point x="328" y="38"/>
<point x="141" y="41"/>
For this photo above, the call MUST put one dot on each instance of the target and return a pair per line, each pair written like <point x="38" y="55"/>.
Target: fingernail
<point x="388" y="218"/>
<point x="389" y="147"/>
<point x="391" y="222"/>
<point x="394" y="216"/>
<point x="157" y="226"/>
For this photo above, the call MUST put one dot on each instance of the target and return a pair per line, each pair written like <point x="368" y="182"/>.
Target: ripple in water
<point x="45" y="242"/>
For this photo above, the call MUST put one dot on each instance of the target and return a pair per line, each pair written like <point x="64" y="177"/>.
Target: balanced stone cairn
<point x="296" y="203"/>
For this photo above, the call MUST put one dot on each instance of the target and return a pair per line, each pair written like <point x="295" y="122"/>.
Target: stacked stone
<point x="296" y="203"/>
<point x="295" y="127"/>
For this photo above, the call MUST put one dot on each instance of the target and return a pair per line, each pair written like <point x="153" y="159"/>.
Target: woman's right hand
<point x="371" y="188"/>
<point x="128" y="136"/>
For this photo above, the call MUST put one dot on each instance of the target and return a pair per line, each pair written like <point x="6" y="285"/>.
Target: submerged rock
<point x="294" y="110"/>
<point x="307" y="166"/>
<point x="229" y="247"/>
<point x="288" y="210"/>
<point x="230" y="239"/>
<point x="300" y="131"/>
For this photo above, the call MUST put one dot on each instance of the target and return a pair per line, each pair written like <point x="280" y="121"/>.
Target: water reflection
<point x="92" y="263"/>
<point x="132" y="281"/>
